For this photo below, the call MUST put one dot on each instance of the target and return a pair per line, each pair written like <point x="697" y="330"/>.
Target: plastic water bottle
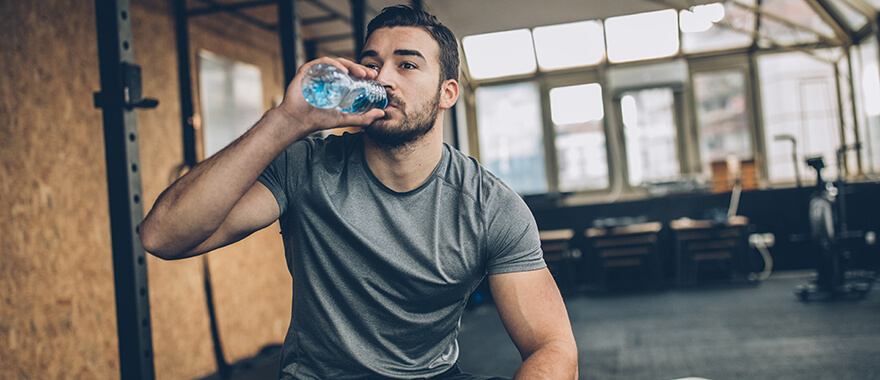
<point x="325" y="86"/>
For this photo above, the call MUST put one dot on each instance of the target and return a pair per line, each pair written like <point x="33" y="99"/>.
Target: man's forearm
<point x="194" y="207"/>
<point x="552" y="361"/>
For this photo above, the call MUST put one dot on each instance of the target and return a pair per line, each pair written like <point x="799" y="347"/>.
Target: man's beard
<point x="411" y="128"/>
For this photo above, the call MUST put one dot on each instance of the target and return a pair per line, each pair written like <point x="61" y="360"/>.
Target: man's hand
<point x="295" y="108"/>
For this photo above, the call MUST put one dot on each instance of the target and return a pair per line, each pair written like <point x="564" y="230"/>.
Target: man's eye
<point x="407" y="65"/>
<point x="374" y="67"/>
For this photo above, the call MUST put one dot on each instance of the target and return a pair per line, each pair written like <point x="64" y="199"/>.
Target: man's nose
<point x="386" y="78"/>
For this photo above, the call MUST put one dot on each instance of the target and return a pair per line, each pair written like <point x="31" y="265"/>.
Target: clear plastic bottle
<point x="325" y="86"/>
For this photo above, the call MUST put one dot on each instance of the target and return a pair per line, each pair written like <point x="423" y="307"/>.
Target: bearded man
<point x="386" y="231"/>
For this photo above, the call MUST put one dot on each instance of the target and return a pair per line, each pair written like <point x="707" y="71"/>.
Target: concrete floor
<point x="717" y="331"/>
<point x="713" y="331"/>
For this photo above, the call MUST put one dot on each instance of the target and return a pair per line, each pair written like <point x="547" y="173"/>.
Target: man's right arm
<point x="220" y="201"/>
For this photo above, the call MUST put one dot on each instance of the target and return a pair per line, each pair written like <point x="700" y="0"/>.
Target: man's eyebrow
<point x="369" y="53"/>
<point x="409" y="52"/>
<point x="402" y="52"/>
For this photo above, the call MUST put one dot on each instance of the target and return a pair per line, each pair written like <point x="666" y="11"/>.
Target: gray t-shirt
<point x="381" y="278"/>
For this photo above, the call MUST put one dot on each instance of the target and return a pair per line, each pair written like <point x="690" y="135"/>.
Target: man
<point x="386" y="231"/>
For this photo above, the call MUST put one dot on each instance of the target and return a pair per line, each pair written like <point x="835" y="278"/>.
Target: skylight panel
<point x="569" y="45"/>
<point x="642" y="36"/>
<point x="500" y="54"/>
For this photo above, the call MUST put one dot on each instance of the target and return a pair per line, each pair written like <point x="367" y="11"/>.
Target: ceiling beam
<point x="216" y="7"/>
<point x="242" y="16"/>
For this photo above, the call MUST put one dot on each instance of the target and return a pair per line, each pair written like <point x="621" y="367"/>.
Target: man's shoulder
<point x="471" y="177"/>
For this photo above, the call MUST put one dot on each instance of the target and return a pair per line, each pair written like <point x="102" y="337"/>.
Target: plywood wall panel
<point x="57" y="306"/>
<point x="57" y="318"/>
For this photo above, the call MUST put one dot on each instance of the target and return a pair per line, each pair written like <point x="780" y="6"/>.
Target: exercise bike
<point x="831" y="237"/>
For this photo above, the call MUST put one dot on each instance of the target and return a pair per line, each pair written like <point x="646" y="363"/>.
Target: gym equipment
<point x="830" y="237"/>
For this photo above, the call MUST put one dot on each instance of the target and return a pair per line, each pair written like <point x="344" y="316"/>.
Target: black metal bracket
<point x="131" y="90"/>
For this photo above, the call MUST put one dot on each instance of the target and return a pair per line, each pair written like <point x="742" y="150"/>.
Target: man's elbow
<point x="155" y="245"/>
<point x="570" y="355"/>
<point x="567" y="354"/>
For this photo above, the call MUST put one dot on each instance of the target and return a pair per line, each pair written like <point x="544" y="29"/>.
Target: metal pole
<point x="185" y="82"/>
<point x="120" y="94"/>
<point x="291" y="38"/>
<point x="854" y="109"/>
<point x="358" y="25"/>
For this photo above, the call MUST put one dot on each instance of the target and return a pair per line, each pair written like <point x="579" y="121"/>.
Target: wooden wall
<point x="57" y="307"/>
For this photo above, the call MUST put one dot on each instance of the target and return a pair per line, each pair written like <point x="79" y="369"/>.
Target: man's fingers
<point x="363" y="119"/>
<point x="358" y="70"/>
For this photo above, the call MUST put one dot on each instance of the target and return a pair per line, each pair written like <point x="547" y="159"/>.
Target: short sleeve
<point x="284" y="174"/>
<point x="273" y="177"/>
<point x="512" y="241"/>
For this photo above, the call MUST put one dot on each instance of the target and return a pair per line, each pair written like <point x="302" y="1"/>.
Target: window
<point x="642" y="36"/>
<point x="799" y="100"/>
<point x="544" y="129"/>
<point x="569" y="45"/>
<point x="231" y="99"/>
<point x="715" y="27"/>
<point x="722" y="123"/>
<point x="500" y="54"/>
<point x="578" y="115"/>
<point x="511" y="135"/>
<point x="790" y="22"/>
<point x="650" y="135"/>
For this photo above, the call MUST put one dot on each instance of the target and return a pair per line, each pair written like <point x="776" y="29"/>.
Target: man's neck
<point x="407" y="167"/>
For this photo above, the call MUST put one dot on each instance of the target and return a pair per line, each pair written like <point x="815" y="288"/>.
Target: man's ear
<point x="448" y="93"/>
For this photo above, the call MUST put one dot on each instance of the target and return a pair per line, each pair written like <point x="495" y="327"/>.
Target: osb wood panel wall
<point x="57" y="316"/>
<point x="250" y="282"/>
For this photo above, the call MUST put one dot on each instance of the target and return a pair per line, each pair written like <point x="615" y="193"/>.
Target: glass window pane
<point x="642" y="36"/>
<point x="796" y="12"/>
<point x="578" y="116"/>
<point x="854" y="20"/>
<point x="500" y="54"/>
<point x="231" y="99"/>
<point x="511" y="135"/>
<point x="650" y="133"/>
<point x="569" y="45"/>
<point x="799" y="99"/>
<point x="721" y="117"/>
<point x="716" y="27"/>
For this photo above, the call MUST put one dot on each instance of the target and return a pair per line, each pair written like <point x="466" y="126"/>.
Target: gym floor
<point x="712" y="331"/>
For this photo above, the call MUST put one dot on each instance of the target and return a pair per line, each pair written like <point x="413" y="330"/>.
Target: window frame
<point x="729" y="62"/>
<point x="548" y="82"/>
<point x="679" y="119"/>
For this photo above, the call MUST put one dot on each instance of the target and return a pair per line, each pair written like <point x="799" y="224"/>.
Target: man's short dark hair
<point x="402" y="15"/>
